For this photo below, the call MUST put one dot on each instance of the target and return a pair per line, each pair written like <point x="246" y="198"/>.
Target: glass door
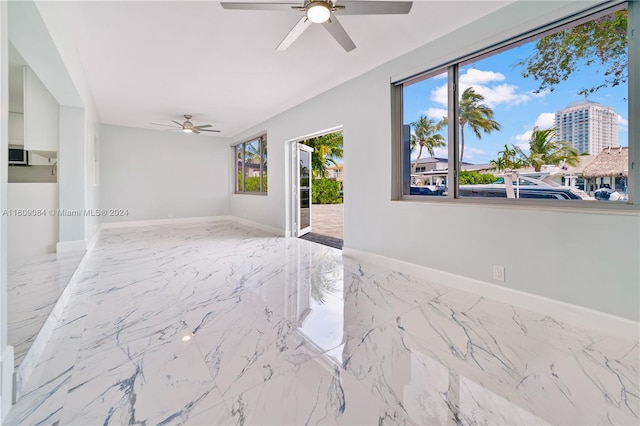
<point x="302" y="193"/>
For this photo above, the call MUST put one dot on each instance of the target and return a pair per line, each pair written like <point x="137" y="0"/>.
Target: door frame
<point x="296" y="229"/>
<point x="291" y="192"/>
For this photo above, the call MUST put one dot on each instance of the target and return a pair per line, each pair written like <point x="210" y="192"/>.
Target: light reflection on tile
<point x="285" y="331"/>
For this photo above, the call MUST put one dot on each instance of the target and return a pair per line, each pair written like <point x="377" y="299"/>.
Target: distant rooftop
<point x="583" y="102"/>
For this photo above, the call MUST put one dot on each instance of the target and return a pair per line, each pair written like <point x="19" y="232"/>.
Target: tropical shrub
<point x="325" y="191"/>
<point x="252" y="183"/>
<point x="475" y="178"/>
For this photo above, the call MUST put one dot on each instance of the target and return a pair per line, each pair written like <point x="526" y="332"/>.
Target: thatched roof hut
<point x="610" y="162"/>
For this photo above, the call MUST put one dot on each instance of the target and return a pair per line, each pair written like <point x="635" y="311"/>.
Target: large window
<point x="251" y="166"/>
<point x="544" y="117"/>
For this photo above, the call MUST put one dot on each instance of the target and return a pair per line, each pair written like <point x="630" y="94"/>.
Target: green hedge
<point x="325" y="191"/>
<point x="476" y="178"/>
<point x="252" y="184"/>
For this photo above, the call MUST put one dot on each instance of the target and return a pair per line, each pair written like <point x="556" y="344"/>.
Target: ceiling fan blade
<point x="373" y="7"/>
<point x="196" y="131"/>
<point x="295" y="32"/>
<point x="338" y="32"/>
<point x="202" y="126"/>
<point x="209" y="130"/>
<point x="260" y="6"/>
<point x="179" y="124"/>
<point x="165" y="125"/>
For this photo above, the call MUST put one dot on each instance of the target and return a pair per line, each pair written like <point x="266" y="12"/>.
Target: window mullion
<point x="244" y="152"/>
<point x="261" y="146"/>
<point x="633" y="28"/>
<point x="453" y="130"/>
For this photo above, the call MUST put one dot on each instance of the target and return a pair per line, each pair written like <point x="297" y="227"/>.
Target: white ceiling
<point x="152" y="61"/>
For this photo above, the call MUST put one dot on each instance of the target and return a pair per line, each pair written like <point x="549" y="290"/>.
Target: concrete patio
<point x="327" y="225"/>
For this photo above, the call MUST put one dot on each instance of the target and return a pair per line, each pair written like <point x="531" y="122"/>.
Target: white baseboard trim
<point x="262" y="227"/>
<point x="567" y="312"/>
<point x="151" y="222"/>
<point x="68" y="246"/>
<point x="7" y="360"/>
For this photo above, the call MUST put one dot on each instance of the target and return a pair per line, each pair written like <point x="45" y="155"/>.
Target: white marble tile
<point x="32" y="291"/>
<point x="284" y="331"/>
<point x="597" y="385"/>
<point x="373" y="295"/>
<point x="317" y="392"/>
<point x="140" y="383"/>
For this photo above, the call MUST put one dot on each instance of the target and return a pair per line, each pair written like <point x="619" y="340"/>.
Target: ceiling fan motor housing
<point x="318" y="11"/>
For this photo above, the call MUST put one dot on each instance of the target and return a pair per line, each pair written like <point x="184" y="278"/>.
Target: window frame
<point x="399" y="192"/>
<point x="240" y="187"/>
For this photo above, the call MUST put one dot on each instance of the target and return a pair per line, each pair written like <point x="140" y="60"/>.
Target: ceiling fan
<point x="188" y="126"/>
<point x="324" y="12"/>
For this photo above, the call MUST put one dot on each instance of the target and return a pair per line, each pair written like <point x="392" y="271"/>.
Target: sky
<point x="512" y="97"/>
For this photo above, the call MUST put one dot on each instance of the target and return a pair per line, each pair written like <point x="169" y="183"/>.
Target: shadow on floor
<point x="323" y="239"/>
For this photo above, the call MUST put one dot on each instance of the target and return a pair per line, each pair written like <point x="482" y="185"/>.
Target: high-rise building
<point x="588" y="126"/>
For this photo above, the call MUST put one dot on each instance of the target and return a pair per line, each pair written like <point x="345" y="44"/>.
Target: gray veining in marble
<point x="32" y="291"/>
<point x="216" y="323"/>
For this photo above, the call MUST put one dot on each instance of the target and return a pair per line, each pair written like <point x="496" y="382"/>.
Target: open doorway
<point x="325" y="188"/>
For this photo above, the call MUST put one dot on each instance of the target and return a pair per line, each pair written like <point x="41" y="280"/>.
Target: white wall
<point x="40" y="34"/>
<point x="41" y="115"/>
<point x="31" y="236"/>
<point x="6" y="352"/>
<point x="158" y="174"/>
<point x="71" y="172"/>
<point x="552" y="253"/>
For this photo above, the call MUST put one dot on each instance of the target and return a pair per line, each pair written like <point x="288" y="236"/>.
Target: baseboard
<point x="567" y="312"/>
<point x="151" y="222"/>
<point x="260" y="226"/>
<point x="68" y="246"/>
<point x="7" y="360"/>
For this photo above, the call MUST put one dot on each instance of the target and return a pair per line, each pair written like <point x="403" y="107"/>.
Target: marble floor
<point x="215" y="323"/>
<point x="32" y="290"/>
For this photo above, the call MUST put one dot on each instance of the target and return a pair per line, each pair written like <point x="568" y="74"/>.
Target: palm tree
<point x="543" y="149"/>
<point x="326" y="149"/>
<point x="425" y="135"/>
<point x="507" y="159"/>
<point x="477" y="115"/>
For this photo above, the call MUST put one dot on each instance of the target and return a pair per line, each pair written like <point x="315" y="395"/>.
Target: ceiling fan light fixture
<point x="187" y="130"/>
<point x="318" y="12"/>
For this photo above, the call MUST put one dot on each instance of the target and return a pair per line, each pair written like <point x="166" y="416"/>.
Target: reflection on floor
<point x="214" y="323"/>
<point x="32" y="290"/>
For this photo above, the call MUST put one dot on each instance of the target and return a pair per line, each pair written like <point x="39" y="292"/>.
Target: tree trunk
<point x="461" y="146"/>
<point x="415" y="165"/>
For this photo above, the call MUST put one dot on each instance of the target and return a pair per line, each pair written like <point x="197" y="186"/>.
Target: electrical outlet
<point x="498" y="273"/>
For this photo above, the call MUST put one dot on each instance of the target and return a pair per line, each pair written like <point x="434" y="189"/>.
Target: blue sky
<point x="516" y="107"/>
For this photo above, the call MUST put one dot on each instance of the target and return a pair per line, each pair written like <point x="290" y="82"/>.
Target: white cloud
<point x="441" y="152"/>
<point x="485" y="83"/>
<point x="440" y="95"/>
<point x="540" y="94"/>
<point x="624" y="124"/>
<point x="436" y="113"/>
<point x="474" y="76"/>
<point x="470" y="152"/>
<point x="501" y="94"/>
<point x="546" y="120"/>
<point x="522" y="140"/>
